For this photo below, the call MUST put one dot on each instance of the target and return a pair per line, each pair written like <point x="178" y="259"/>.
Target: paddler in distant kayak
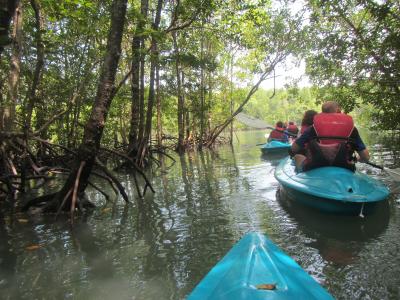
<point x="278" y="134"/>
<point x="308" y="120"/>
<point x="331" y="141"/>
<point x="292" y="128"/>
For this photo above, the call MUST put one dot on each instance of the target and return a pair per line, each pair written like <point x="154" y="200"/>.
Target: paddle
<point x="394" y="174"/>
<point x="267" y="142"/>
<point x="257" y="123"/>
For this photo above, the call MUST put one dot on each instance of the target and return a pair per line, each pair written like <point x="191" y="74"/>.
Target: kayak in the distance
<point x="255" y="268"/>
<point x="274" y="147"/>
<point x="331" y="189"/>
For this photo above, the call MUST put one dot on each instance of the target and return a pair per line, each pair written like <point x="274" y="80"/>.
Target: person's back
<point x="308" y="120"/>
<point x="332" y="145"/>
<point x="292" y="128"/>
<point x="278" y="133"/>
<point x="331" y="141"/>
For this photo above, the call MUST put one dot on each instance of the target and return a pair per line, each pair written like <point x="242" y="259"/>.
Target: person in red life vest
<point x="308" y="120"/>
<point x="292" y="128"/>
<point x="331" y="141"/>
<point x="278" y="134"/>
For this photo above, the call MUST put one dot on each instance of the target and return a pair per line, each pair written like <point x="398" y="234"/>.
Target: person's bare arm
<point x="295" y="148"/>
<point x="363" y="155"/>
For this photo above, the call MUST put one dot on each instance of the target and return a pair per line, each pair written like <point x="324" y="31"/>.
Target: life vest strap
<point x="334" y="138"/>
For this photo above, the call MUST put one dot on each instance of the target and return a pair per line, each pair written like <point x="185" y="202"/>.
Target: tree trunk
<point x="137" y="83"/>
<point x="231" y="95"/>
<point x="8" y="111"/>
<point x="217" y="130"/>
<point x="6" y="14"/>
<point x="39" y="23"/>
<point x="76" y="183"/>
<point x="208" y="106"/>
<point x="187" y="117"/>
<point x="181" y="126"/>
<point x="144" y="12"/>
<point x="135" y="92"/>
<point x="158" y="98"/>
<point x="202" y="90"/>
<point x="144" y="144"/>
<point x="2" y="105"/>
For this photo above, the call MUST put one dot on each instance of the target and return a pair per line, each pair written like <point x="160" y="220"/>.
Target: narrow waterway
<point x="204" y="203"/>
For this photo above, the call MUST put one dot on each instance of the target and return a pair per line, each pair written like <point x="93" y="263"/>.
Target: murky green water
<point x="204" y="202"/>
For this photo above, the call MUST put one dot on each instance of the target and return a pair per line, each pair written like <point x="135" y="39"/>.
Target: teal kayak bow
<point x="275" y="147"/>
<point x="255" y="268"/>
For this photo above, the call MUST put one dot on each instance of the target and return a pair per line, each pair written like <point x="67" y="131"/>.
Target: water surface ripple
<point x="204" y="202"/>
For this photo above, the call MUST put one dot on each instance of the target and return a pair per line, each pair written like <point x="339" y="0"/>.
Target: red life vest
<point x="277" y="134"/>
<point x="333" y="125"/>
<point x="331" y="147"/>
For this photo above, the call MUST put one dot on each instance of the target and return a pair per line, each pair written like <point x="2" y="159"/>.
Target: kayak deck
<point x="255" y="268"/>
<point x="331" y="189"/>
<point x="275" y="147"/>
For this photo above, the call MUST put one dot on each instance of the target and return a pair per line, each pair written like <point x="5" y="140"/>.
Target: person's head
<point x="308" y="118"/>
<point x="330" y="107"/>
<point x="279" y="124"/>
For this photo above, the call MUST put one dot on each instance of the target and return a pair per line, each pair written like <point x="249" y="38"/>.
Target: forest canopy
<point x="83" y="80"/>
<point x="355" y="56"/>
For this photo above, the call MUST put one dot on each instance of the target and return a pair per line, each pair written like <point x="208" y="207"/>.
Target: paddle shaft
<point x="374" y="165"/>
<point x="394" y="174"/>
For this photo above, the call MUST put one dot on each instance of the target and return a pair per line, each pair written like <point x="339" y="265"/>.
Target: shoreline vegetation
<point x="85" y="84"/>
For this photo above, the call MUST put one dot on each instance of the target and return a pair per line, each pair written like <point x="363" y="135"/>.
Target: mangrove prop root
<point x="114" y="179"/>
<point x="63" y="202"/>
<point x="20" y="162"/>
<point x="38" y="200"/>
<point x="99" y="190"/>
<point x="137" y="186"/>
<point x="133" y="164"/>
<point x="108" y="180"/>
<point x="75" y="192"/>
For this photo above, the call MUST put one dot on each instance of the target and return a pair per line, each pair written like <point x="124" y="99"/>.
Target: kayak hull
<point x="253" y="264"/>
<point x="331" y="189"/>
<point x="336" y="226"/>
<point x="275" y="147"/>
<point x="331" y="206"/>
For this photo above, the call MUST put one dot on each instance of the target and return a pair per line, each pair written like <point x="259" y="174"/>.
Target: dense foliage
<point x="177" y="75"/>
<point x="218" y="42"/>
<point x="355" y="56"/>
<point x="81" y="80"/>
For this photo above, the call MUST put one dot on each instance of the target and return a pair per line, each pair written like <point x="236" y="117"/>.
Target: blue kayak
<point x="331" y="189"/>
<point x="275" y="147"/>
<point x="255" y="268"/>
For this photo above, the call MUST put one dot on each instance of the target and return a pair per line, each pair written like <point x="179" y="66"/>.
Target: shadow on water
<point x="99" y="265"/>
<point x="8" y="258"/>
<point x="203" y="194"/>
<point x="346" y="228"/>
<point x="161" y="246"/>
<point x="273" y="158"/>
<point x="338" y="238"/>
<point x="185" y="226"/>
